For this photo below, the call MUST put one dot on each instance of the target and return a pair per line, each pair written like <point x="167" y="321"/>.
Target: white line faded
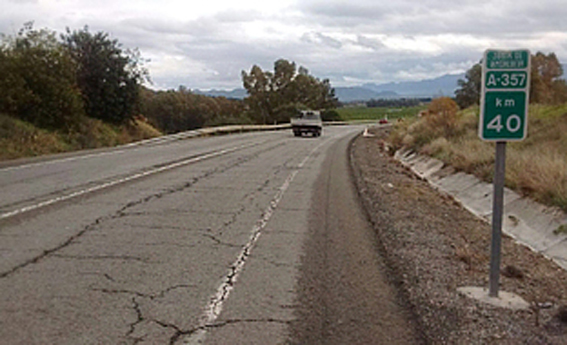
<point x="120" y="181"/>
<point x="215" y="306"/>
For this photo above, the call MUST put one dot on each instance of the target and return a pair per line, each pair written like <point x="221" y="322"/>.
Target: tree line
<point x="178" y="110"/>
<point x="273" y="97"/>
<point x="546" y="84"/>
<point x="56" y="81"/>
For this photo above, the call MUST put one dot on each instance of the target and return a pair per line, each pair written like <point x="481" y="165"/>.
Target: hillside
<point x="441" y="86"/>
<point x="20" y="139"/>
<point x="535" y="167"/>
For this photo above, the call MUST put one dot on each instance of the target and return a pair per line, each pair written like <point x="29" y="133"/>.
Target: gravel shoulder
<point x="434" y="246"/>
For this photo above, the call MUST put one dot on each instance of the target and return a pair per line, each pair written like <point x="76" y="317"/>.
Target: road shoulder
<point x="344" y="291"/>
<point x="434" y="246"/>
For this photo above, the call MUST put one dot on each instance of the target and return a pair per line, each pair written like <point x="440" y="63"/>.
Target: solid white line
<point x="120" y="181"/>
<point x="215" y="306"/>
<point x="120" y="149"/>
<point x="128" y="147"/>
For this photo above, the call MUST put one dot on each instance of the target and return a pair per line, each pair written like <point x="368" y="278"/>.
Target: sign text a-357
<point x="505" y="95"/>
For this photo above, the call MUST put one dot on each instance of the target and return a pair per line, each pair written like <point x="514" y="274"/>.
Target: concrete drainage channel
<point x="531" y="224"/>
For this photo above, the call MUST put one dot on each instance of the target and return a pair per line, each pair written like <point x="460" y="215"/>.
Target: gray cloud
<point x="317" y="38"/>
<point x="366" y="41"/>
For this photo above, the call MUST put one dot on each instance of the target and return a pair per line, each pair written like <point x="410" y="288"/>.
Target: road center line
<point x="122" y="180"/>
<point x="215" y="306"/>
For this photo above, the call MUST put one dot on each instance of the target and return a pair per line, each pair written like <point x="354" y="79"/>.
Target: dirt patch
<point x="435" y="246"/>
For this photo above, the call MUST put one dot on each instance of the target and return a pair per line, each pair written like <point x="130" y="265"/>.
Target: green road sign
<point x="505" y="95"/>
<point x="506" y="80"/>
<point x="506" y="59"/>
<point x="504" y="115"/>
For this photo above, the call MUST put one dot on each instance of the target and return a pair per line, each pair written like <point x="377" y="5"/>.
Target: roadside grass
<point x="377" y="113"/>
<point x="535" y="167"/>
<point x="20" y="139"/>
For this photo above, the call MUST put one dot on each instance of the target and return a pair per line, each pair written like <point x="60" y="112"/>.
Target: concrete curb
<point x="525" y="220"/>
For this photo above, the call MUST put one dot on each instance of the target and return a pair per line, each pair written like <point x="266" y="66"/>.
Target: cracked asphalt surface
<point x="216" y="249"/>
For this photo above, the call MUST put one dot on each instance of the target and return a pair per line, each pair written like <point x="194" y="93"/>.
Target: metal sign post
<point x="503" y="117"/>
<point x="497" y="212"/>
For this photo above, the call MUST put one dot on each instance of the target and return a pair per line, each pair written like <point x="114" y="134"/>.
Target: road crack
<point x="139" y="319"/>
<point x="179" y="333"/>
<point x="103" y="257"/>
<point x="158" y="295"/>
<point x="122" y="211"/>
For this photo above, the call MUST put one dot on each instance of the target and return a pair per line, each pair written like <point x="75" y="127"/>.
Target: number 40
<point x="513" y="123"/>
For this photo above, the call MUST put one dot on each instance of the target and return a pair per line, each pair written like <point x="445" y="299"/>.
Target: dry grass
<point x="536" y="167"/>
<point x="20" y="139"/>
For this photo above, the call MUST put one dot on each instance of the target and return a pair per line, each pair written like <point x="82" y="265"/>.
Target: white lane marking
<point x="120" y="181"/>
<point x="126" y="147"/>
<point x="120" y="149"/>
<point x="214" y="308"/>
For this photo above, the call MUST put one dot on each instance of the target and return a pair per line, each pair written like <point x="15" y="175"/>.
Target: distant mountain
<point x="442" y="86"/>
<point x="234" y="94"/>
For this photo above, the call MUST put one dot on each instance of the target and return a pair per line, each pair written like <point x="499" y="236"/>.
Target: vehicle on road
<point x="308" y="121"/>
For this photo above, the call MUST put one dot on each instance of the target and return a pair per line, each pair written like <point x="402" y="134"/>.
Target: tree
<point x="469" y="92"/>
<point x="546" y="85"/>
<point x="108" y="77"/>
<point x="259" y="88"/>
<point x="275" y="97"/>
<point x="38" y="80"/>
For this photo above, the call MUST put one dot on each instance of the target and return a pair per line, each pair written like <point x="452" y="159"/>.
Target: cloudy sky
<point x="206" y="44"/>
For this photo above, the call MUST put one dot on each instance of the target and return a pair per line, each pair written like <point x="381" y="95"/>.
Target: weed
<point x="562" y="229"/>
<point x="536" y="167"/>
<point x="21" y="139"/>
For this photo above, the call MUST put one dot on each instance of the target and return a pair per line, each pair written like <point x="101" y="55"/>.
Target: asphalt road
<point x="207" y="240"/>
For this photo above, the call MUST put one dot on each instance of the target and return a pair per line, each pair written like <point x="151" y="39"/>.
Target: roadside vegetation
<point x="22" y="139"/>
<point x="76" y="91"/>
<point x="535" y="167"/>
<point x="81" y="90"/>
